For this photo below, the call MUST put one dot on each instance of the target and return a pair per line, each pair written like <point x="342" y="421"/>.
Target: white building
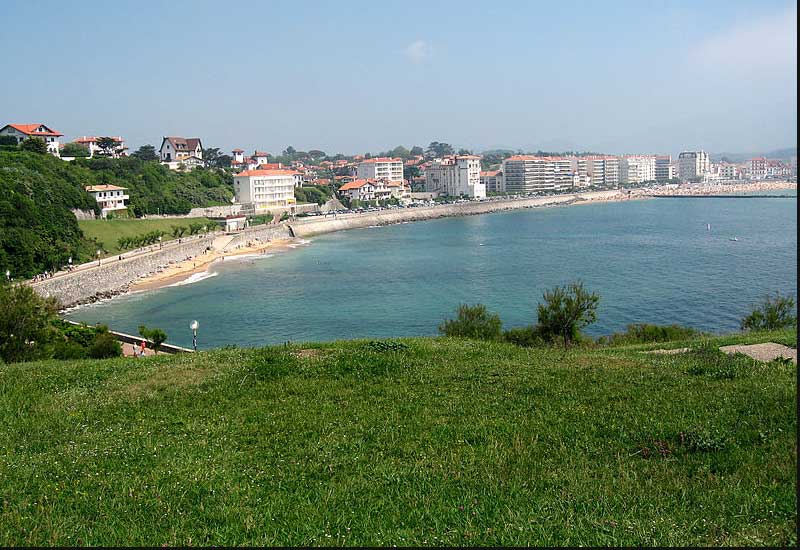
<point x="693" y="165"/>
<point x="603" y="171"/>
<point x="455" y="176"/>
<point x="637" y="169"/>
<point x="264" y="189"/>
<point x="492" y="181"/>
<point x="174" y="149"/>
<point x="375" y="190"/>
<point x="90" y="142"/>
<point x="390" y="169"/>
<point x="110" y="198"/>
<point x="25" y="131"/>
<point x="531" y="174"/>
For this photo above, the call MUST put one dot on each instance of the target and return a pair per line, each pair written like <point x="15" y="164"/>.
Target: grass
<point x="109" y="231"/>
<point x="408" y="442"/>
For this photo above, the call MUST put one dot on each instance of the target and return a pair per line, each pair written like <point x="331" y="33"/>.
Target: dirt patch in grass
<point x="306" y="353"/>
<point x="166" y="379"/>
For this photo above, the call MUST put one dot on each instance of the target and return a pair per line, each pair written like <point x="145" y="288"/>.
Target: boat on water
<point x="733" y="239"/>
<point x="708" y="227"/>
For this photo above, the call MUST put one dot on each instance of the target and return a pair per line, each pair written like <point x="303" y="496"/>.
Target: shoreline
<point x="198" y="262"/>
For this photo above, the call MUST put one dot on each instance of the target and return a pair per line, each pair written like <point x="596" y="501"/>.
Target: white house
<point x="90" y="142"/>
<point x="264" y="189"/>
<point x="372" y="189"/>
<point x="178" y="148"/>
<point x="110" y="197"/>
<point x="455" y="176"/>
<point x="25" y="131"/>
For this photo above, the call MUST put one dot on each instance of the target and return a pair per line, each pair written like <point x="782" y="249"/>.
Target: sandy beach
<point x="180" y="271"/>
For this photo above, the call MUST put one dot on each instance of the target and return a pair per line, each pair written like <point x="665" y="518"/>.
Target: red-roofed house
<point x="91" y="143"/>
<point x="25" y="131"/>
<point x="265" y="189"/>
<point x="367" y="189"/>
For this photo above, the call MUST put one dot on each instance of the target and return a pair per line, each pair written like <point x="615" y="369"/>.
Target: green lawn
<point x="425" y="442"/>
<point x="109" y="231"/>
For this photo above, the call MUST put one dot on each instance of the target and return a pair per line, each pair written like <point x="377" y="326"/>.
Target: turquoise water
<point x="651" y="261"/>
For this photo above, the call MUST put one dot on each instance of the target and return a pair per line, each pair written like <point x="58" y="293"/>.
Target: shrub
<point x="473" y="322"/>
<point x="105" y="346"/>
<point x="566" y="310"/>
<point x="526" y="337"/>
<point x="643" y="333"/>
<point x="69" y="350"/>
<point x="26" y="328"/>
<point x="772" y="313"/>
<point x="155" y="335"/>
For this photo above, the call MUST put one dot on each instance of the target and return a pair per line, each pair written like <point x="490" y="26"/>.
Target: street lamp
<point x="8" y="274"/>
<point x="194" y="325"/>
<point x="70" y="262"/>
<point x="159" y="242"/>
<point x="98" y="256"/>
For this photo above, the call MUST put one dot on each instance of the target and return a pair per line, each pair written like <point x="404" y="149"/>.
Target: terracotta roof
<point x="356" y="184"/>
<point x="95" y="188"/>
<point x="489" y="173"/>
<point x="270" y="166"/>
<point x="238" y="151"/>
<point x="532" y="157"/>
<point x="266" y="173"/>
<point x="33" y="129"/>
<point x="93" y="139"/>
<point x="260" y="154"/>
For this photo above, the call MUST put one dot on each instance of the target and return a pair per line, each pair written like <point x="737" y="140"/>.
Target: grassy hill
<point x="408" y="442"/>
<point x="109" y="232"/>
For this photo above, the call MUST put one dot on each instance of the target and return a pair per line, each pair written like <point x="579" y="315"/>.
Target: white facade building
<point x="264" y="189"/>
<point x="177" y="148"/>
<point x="455" y="176"/>
<point x="24" y="131"/>
<point x="90" y="142"/>
<point x="531" y="174"/>
<point x="693" y="165"/>
<point x="664" y="170"/>
<point x="637" y="169"/>
<point x="109" y="197"/>
<point x="492" y="181"/>
<point x="390" y="169"/>
<point x="375" y="190"/>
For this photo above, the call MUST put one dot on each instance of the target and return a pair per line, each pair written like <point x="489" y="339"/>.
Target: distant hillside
<point x="410" y="442"/>
<point x="781" y="154"/>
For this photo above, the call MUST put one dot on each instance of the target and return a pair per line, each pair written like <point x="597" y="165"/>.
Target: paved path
<point x="763" y="352"/>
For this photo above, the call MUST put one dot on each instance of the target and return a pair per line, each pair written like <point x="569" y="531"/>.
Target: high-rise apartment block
<point x="693" y="165"/>
<point x="530" y="174"/>
<point x="637" y="169"/>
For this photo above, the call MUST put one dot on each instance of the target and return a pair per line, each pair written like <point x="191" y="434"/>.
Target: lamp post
<point x="70" y="263"/>
<point x="8" y="274"/>
<point x="194" y="325"/>
<point x="98" y="256"/>
<point x="159" y="242"/>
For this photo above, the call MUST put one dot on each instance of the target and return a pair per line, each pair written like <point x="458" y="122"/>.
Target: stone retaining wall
<point x="317" y="226"/>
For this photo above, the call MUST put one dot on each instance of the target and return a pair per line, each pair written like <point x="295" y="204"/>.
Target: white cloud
<point x="767" y="44"/>
<point x="418" y="51"/>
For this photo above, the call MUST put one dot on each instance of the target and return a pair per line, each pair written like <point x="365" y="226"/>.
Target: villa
<point x="375" y="189"/>
<point x="25" y="131"/>
<point x="110" y="198"/>
<point x="91" y="143"/>
<point x="178" y="152"/>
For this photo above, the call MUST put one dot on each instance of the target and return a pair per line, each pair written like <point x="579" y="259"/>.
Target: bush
<point x="155" y="335"/>
<point x="105" y="345"/>
<point x="566" y="310"/>
<point x="526" y="337"/>
<point x="26" y="328"/>
<point x="69" y="350"/>
<point x="473" y="322"/>
<point x="772" y="313"/>
<point x="643" y="333"/>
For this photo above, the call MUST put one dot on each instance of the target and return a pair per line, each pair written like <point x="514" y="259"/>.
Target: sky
<point x="351" y="77"/>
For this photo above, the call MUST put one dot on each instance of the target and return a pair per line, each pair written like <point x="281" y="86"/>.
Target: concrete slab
<point x="763" y="352"/>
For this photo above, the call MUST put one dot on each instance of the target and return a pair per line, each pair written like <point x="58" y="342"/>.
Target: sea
<point x="699" y="262"/>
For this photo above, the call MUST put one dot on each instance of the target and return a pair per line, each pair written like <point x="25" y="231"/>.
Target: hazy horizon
<point x="618" y="78"/>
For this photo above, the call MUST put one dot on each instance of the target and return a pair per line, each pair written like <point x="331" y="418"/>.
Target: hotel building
<point x="530" y="174"/>
<point x="264" y="189"/>
<point x="390" y="169"/>
<point x="455" y="176"/>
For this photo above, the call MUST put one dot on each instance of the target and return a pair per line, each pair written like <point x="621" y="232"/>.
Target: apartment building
<point x="693" y="165"/>
<point x="663" y="168"/>
<point x="530" y="174"/>
<point x="264" y="189"/>
<point x="455" y="176"/>
<point x="390" y="169"/>
<point x="24" y="131"/>
<point x="599" y="170"/>
<point x="492" y="181"/>
<point x="637" y="169"/>
<point x="110" y="198"/>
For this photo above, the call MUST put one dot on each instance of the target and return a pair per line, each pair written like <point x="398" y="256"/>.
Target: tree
<point x="316" y="154"/>
<point x="8" y="141"/>
<point x="438" y="150"/>
<point x="772" y="313"/>
<point x="155" y="335"/>
<point x="464" y="152"/>
<point x="410" y="172"/>
<point x="108" y="146"/>
<point x="34" y="145"/>
<point x="400" y="152"/>
<point x="566" y="310"/>
<point x="75" y="150"/>
<point x="289" y="151"/>
<point x="105" y="345"/>
<point x="416" y="151"/>
<point x="26" y="327"/>
<point x="473" y="322"/>
<point x="146" y="153"/>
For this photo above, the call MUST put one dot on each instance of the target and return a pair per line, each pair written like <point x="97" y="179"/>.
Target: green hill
<point x="408" y="442"/>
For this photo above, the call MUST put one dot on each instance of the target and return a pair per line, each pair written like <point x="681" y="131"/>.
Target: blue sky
<point x="619" y="77"/>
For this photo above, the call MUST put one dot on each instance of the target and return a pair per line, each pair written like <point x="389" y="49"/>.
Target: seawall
<point x="114" y="277"/>
<point x="318" y="225"/>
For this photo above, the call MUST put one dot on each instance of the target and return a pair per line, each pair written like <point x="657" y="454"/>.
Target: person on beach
<point x="142" y="348"/>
